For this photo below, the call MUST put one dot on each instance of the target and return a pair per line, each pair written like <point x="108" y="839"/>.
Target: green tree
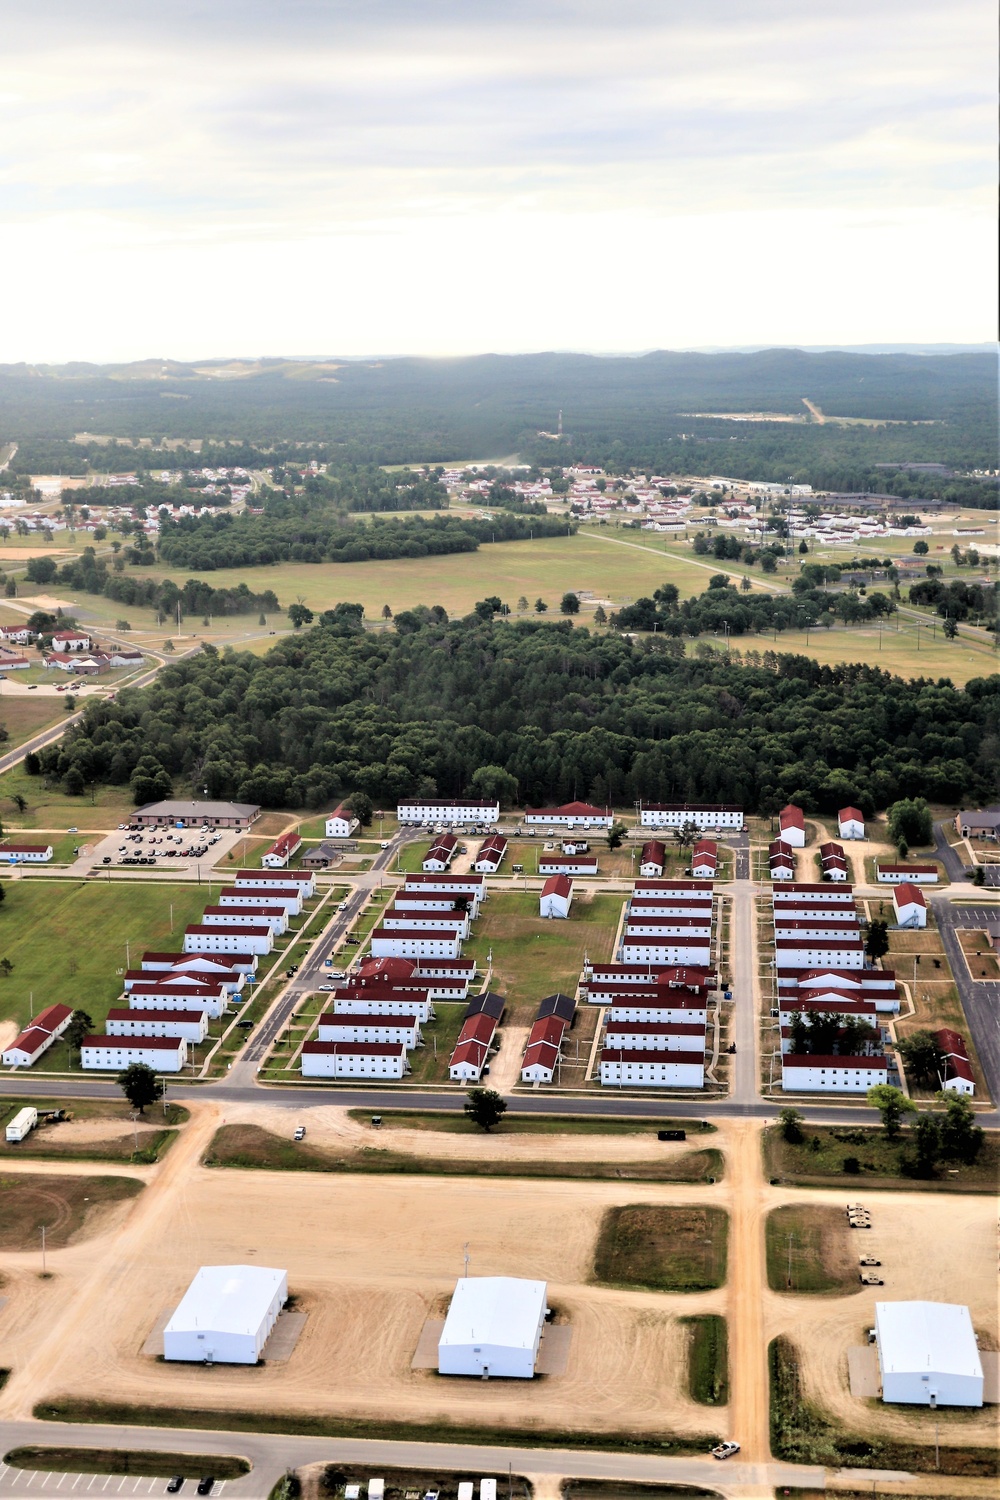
<point x="790" y="1121"/>
<point x="32" y="764"/>
<point x="493" y="783"/>
<point x="927" y="1139"/>
<point x="950" y="629"/>
<point x="73" y="783"/>
<point x="362" y="807"/>
<point x="168" y="645"/>
<point x="961" y="1138"/>
<point x="386" y="612"/>
<point x="616" y="835"/>
<point x="892" y="1104"/>
<point x="540" y="606"/>
<point x="910" y="819"/>
<point x="877" y="939"/>
<point x="687" y="834"/>
<point x="600" y="615"/>
<point x="522" y="605"/>
<point x="746" y="585"/>
<point x="485" y="1107"/>
<point x="6" y="967"/>
<point x="922" y="1057"/>
<point x="20" y="802"/>
<point x="299" y="616"/>
<point x="921" y="548"/>
<point x="569" y="604"/>
<point x="80" y="1025"/>
<point x="140" y="1086"/>
<point x="41" y="569"/>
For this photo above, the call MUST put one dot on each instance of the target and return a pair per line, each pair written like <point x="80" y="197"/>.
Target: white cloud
<point x="428" y="177"/>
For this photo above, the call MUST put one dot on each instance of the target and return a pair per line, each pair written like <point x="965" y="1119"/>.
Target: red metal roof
<point x="906" y="894"/>
<point x="557" y="885"/>
<point x="815" y="1060"/>
<point x="118" y="1043"/>
<point x="357" y="1049"/>
<point x="791" y="816"/>
<point x="628" y="1054"/>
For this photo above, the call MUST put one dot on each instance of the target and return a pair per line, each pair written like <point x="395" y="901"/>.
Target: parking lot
<point x="21" y="1481"/>
<point x="167" y="848"/>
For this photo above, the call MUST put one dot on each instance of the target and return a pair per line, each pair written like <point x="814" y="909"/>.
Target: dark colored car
<point x="175" y="1484"/>
<point x="206" y="1485"/>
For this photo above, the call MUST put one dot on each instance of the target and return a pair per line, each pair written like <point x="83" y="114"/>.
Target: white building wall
<point x="676" y="817"/>
<point x="830" y="1080"/>
<point x="850" y="828"/>
<point x="428" y="945"/>
<point x="554" y="905"/>
<point x="227" y="940"/>
<point x="658" y="1072"/>
<point x="212" y="1005"/>
<point x="695" y="952"/>
<point x="116" y="1059"/>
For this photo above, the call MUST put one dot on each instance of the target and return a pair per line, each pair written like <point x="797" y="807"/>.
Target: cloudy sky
<point x="195" y="178"/>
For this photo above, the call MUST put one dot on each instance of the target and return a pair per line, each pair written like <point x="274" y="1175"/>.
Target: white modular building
<point x="225" y="1315"/>
<point x="275" y="917"/>
<point x="288" y="896"/>
<point x="200" y="937"/>
<point x="212" y="999"/>
<point x="303" y="878"/>
<point x="192" y="1025"/>
<point x="851" y="823"/>
<point x="927" y="1354"/>
<point x="814" y="1074"/>
<point x="666" y="951"/>
<point x="341" y="823"/>
<point x="704" y="814"/>
<point x="494" y="1326"/>
<point x="400" y="1003"/>
<point x="812" y="953"/>
<point x="165" y="1054"/>
<point x="638" y="925"/>
<point x="629" y="1067"/>
<point x="384" y="1060"/>
<point x="471" y="810"/>
<point x="403" y="1030"/>
<point x="405" y="942"/>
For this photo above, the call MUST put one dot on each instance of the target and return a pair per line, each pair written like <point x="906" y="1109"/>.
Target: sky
<point x="216" y="178"/>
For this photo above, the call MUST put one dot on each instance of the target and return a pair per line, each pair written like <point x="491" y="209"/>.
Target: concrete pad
<point x="553" y="1351"/>
<point x="283" y="1337"/>
<point x="862" y="1368"/>
<point x="425" y="1356"/>
<point x="990" y="1359"/>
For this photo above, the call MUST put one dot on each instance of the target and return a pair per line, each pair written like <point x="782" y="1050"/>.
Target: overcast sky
<point x="195" y="178"/>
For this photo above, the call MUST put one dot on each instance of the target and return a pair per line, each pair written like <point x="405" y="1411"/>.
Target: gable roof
<point x="557" y="885"/>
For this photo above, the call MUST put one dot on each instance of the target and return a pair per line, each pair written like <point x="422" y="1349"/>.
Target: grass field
<point x="126" y="1461"/>
<point x="458" y="1123"/>
<point x="67" y="940"/>
<point x="65" y="1205"/>
<point x="23" y="717"/>
<point x="708" y="1359"/>
<point x="662" y="1249"/>
<point x="251" y="1148"/>
<point x="811" y="1249"/>
<point x="534" y="956"/>
<point x="878" y="1161"/>
<point x="102" y="808"/>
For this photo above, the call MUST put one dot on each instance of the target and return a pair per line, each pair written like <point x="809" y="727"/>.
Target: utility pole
<point x="789" y="1279"/>
<point x="466" y="1257"/>
<point x="43" y="1251"/>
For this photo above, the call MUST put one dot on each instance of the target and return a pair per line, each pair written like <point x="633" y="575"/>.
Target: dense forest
<point x="243" y="541"/>
<point x="646" y="413"/>
<point x="537" y="713"/>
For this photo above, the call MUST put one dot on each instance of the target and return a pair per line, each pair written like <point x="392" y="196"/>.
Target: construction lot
<point x="371" y="1258"/>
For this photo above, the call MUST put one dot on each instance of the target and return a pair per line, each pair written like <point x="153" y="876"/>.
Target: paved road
<point x="271" y="1455"/>
<point x="953" y="861"/>
<point x="31" y="1482"/>
<point x="980" y="997"/>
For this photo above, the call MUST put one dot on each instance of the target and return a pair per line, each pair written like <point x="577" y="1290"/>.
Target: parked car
<point x="300" y="1132"/>
<point x="175" y="1484"/>
<point x="206" y="1485"/>
<point x="868" y="1260"/>
<point x="726" y="1450"/>
<point x="869" y="1278"/>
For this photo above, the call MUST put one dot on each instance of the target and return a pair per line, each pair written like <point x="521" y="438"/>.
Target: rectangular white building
<point x="654" y="1036"/>
<point x="402" y="1030"/>
<point x="494" y="1326"/>
<point x="167" y="1054"/>
<point x="465" y="810"/>
<point x="927" y="1354"/>
<point x="900" y="874"/>
<point x="704" y="814"/>
<point x="666" y="951"/>
<point x="201" y="937"/>
<point x="225" y="1315"/>
<point x="288" y="896"/>
<point x="303" y="878"/>
<point x="627" y="1067"/>
<point x="275" y="917"/>
<point x="570" y="815"/>
<point x="341" y="823"/>
<point x="812" y="1074"/>
<point x="192" y="1025"/>
<point x="385" y="1060"/>
<point x="812" y="953"/>
<point x="405" y="942"/>
<point x="400" y="1003"/>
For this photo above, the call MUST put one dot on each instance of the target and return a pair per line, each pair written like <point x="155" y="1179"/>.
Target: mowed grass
<point x="662" y="1249"/>
<point x="811" y="1249"/>
<point x="134" y="1462"/>
<point x="67" y="939"/>
<point x="23" y="717"/>
<point x="534" y="956"/>
<point x="64" y="1205"/>
<point x="457" y="1122"/>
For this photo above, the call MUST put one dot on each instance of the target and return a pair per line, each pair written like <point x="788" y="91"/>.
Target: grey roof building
<point x="198" y="814"/>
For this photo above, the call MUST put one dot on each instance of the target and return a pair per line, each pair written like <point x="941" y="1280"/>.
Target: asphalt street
<point x="980" y="997"/>
<point x="273" y="1454"/>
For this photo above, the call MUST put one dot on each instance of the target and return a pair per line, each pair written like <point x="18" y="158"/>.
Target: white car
<point x="725" y="1450"/>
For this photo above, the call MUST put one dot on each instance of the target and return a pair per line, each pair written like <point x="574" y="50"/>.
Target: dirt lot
<point x="371" y="1257"/>
<point x="70" y="1208"/>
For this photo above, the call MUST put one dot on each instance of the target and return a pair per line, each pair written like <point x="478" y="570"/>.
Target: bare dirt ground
<point x="373" y="1257"/>
<point x="331" y="1128"/>
<point x="8" y="1031"/>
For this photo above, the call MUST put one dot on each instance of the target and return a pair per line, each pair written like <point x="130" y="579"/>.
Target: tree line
<point x="206" y="543"/>
<point x="90" y="574"/>
<point x="537" y="713"/>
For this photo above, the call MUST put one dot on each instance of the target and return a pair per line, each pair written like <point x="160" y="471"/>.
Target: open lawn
<point x="23" y="717"/>
<point x="979" y="956"/>
<point x="811" y="1248"/>
<point x="534" y="956"/>
<point x="67" y="940"/>
<point x="71" y="1208"/>
<point x="101" y="808"/>
<point x="664" y="1249"/>
<point x="515" y="1124"/>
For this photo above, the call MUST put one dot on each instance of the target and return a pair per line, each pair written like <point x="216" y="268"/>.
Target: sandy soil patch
<point x="8" y="1031"/>
<point x="373" y="1257"/>
<point x="47" y="601"/>
<point x="331" y="1128"/>
<point x="86" y="1132"/>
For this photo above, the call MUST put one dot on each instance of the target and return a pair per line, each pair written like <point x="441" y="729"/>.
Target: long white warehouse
<point x="927" y="1354"/>
<point x="225" y="1315"/>
<point x="493" y="1327"/>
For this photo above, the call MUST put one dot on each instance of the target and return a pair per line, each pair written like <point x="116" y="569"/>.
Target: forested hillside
<point x="640" y="412"/>
<point x="540" y="712"/>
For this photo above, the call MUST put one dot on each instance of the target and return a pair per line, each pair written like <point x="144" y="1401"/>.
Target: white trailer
<point x="22" y="1124"/>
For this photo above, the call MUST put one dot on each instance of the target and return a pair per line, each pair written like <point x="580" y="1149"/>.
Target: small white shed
<point x="226" y="1315"/>
<point x="493" y="1327"/>
<point x="927" y="1354"/>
